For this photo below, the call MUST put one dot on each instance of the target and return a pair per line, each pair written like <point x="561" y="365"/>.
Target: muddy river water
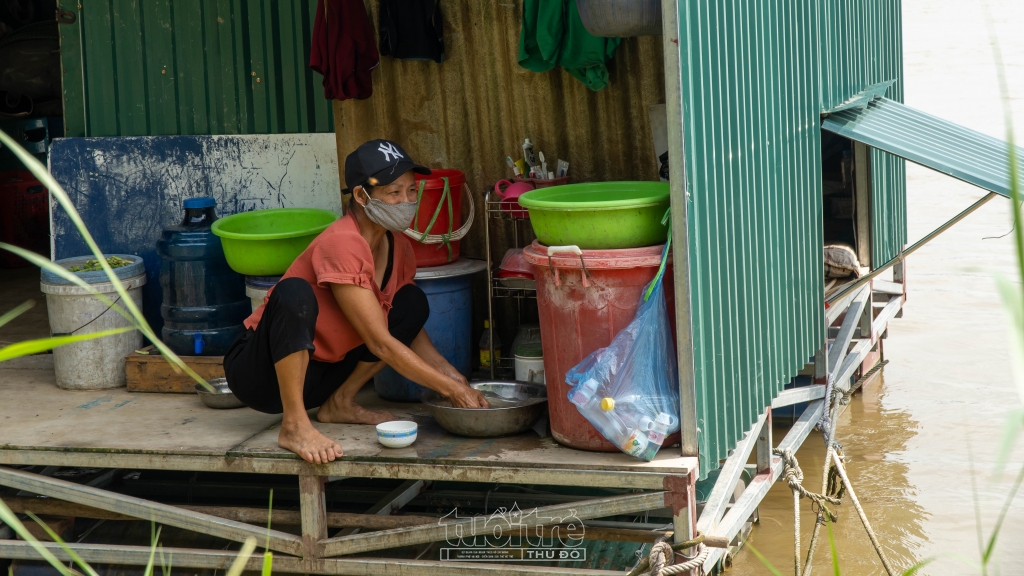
<point x="936" y="417"/>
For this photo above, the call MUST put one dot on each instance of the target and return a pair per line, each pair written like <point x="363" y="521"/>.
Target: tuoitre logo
<point x="389" y="150"/>
<point x="513" y="535"/>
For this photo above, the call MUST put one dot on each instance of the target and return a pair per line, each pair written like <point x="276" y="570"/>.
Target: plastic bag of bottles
<point x="629" y="390"/>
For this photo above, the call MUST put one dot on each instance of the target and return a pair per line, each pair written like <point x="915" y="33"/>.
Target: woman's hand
<point x="466" y="397"/>
<point x="450" y="371"/>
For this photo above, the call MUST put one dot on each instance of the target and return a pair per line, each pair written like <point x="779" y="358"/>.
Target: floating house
<point x="785" y="132"/>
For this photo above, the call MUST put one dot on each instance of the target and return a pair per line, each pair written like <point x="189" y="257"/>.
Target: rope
<point x="662" y="554"/>
<point x="841" y="471"/>
<point x="830" y="472"/>
<point x="446" y="239"/>
<point x="661" y="557"/>
<point x="794" y="476"/>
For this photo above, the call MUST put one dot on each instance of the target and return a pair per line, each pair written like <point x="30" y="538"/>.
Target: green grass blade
<point x="8" y="517"/>
<point x="990" y="549"/>
<point x="270" y="512"/>
<point x="268" y="563"/>
<point x="763" y="560"/>
<point x="29" y="347"/>
<point x="165" y="565"/>
<point x="918" y="565"/>
<point x="832" y="547"/>
<point x="71" y="553"/>
<point x="16" y="311"/>
<point x="243" y="557"/>
<point x="155" y="538"/>
<point x="58" y="193"/>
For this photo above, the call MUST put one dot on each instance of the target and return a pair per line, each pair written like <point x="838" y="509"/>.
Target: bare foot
<point x="351" y="413"/>
<point x="308" y="443"/>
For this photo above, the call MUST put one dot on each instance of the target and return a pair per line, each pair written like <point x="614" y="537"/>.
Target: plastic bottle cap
<point x="607" y="404"/>
<point x="646" y="423"/>
<point x="487" y="324"/>
<point x="201" y="202"/>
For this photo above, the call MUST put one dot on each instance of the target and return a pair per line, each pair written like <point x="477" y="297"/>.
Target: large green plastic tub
<point x="599" y="215"/>
<point x="266" y="242"/>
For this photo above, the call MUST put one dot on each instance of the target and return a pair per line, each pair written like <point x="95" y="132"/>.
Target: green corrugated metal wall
<point x="191" y="67"/>
<point x="754" y="83"/>
<point x="862" y="44"/>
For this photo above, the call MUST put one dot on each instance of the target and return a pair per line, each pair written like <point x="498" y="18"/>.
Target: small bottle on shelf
<point x="485" y="346"/>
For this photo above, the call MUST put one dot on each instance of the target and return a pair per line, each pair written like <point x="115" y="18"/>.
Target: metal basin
<point x="221" y="398"/>
<point x="515" y="407"/>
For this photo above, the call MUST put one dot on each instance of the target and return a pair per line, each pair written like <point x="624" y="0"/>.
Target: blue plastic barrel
<point x="204" y="300"/>
<point x="449" y="290"/>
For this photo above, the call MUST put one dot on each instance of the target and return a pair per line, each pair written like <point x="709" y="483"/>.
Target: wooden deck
<point x="43" y="425"/>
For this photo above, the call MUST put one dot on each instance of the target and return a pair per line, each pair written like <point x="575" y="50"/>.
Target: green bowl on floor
<point x="266" y="242"/>
<point x="599" y="215"/>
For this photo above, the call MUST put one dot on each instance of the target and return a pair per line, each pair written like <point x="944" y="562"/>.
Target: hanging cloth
<point x="552" y="35"/>
<point x="411" y="29"/>
<point x="343" y="49"/>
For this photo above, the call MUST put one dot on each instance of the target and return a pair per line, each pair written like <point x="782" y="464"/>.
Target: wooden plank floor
<point x="36" y="415"/>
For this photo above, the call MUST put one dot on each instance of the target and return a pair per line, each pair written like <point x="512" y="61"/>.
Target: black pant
<point x="287" y="326"/>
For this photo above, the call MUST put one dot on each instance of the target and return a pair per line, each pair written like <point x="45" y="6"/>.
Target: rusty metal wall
<point x="477" y="107"/>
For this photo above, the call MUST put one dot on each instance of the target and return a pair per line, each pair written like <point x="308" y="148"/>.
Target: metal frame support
<point x="313" y="508"/>
<point x="913" y="248"/>
<point x="763" y="449"/>
<point x="680" y="229"/>
<point x="222" y="560"/>
<point x="393" y="502"/>
<point x="147" y="510"/>
<point x="730" y="473"/>
<point x="736" y="517"/>
<point x="680" y="496"/>
<point x="474" y="526"/>
<point x="862" y="201"/>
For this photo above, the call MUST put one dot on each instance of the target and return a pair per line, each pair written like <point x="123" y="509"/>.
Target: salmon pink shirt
<point x="340" y="255"/>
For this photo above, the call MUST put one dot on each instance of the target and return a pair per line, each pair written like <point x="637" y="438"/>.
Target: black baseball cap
<point x="382" y="160"/>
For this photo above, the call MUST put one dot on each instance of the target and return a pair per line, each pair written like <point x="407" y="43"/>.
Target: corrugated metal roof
<point x="927" y="140"/>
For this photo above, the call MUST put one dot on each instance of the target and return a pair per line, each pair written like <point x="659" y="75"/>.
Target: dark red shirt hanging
<point x="344" y="51"/>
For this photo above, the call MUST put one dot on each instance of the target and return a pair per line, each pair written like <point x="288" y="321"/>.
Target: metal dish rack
<point x="495" y="289"/>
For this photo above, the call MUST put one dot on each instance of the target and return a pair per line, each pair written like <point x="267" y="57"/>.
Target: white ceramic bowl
<point x="396" y="434"/>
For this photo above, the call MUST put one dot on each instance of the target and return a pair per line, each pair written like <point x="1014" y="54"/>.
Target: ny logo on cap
<point x="389" y="150"/>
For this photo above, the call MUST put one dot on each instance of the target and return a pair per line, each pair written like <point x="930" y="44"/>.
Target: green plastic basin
<point x="266" y="242"/>
<point x="599" y="215"/>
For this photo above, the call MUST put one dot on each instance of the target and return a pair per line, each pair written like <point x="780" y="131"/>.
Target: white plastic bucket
<point x="98" y="363"/>
<point x="256" y="295"/>
<point x="530" y="369"/>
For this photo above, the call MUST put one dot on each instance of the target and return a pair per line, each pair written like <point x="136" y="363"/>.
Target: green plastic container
<point x="599" y="215"/>
<point x="266" y="242"/>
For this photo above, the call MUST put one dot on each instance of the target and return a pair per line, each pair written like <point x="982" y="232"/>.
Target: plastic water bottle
<point x="204" y="301"/>
<point x="632" y="434"/>
<point x="590" y="404"/>
<point x="656" y="433"/>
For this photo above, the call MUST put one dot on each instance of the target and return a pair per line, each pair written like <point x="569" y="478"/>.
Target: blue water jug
<point x="204" y="300"/>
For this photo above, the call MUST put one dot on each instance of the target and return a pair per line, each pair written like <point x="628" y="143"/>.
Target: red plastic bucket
<point x="433" y="190"/>
<point x="581" y="313"/>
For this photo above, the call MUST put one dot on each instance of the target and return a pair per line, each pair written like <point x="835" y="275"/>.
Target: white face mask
<point x="394" y="217"/>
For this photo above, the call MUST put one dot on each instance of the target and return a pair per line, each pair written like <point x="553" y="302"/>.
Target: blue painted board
<point x="127" y="189"/>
